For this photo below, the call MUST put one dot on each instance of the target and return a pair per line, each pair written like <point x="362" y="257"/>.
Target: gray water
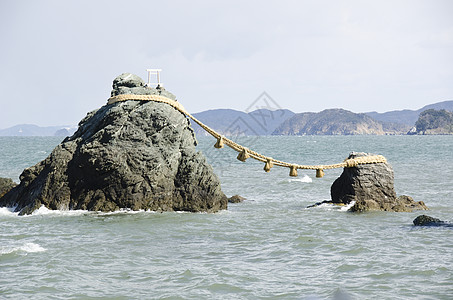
<point x="268" y="247"/>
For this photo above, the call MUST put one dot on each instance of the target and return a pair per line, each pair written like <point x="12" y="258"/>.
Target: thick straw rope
<point x="244" y="152"/>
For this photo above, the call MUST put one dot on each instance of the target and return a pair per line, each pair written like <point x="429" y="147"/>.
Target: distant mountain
<point x="334" y="122"/>
<point x="233" y="123"/>
<point x="283" y="121"/>
<point x="34" y="130"/>
<point x="409" y="117"/>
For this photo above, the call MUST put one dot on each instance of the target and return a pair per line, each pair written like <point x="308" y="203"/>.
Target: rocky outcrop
<point x="371" y="186"/>
<point x="6" y="184"/>
<point x="132" y="154"/>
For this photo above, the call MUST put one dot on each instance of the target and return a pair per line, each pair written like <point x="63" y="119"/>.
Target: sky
<point x="58" y="58"/>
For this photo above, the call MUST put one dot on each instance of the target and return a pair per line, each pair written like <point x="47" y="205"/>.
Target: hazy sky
<point x="58" y="58"/>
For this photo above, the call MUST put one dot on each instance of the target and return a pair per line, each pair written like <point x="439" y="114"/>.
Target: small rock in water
<point x="236" y="199"/>
<point x="425" y="220"/>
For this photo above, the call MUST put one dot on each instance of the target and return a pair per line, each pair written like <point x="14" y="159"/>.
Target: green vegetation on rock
<point x="433" y="121"/>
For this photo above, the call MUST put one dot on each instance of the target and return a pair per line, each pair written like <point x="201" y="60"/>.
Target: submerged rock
<point x="371" y="186"/>
<point x="131" y="154"/>
<point x="236" y="199"/>
<point x="425" y="220"/>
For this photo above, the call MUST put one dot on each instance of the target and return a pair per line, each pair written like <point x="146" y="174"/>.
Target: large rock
<point x="371" y="186"/>
<point x="132" y="154"/>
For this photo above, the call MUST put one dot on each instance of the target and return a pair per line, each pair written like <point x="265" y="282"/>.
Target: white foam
<point x="347" y="207"/>
<point x="330" y="206"/>
<point x="124" y="211"/>
<point x="8" y="211"/>
<point x="304" y="179"/>
<point x="44" y="211"/>
<point x="31" y="248"/>
<point x="25" y="248"/>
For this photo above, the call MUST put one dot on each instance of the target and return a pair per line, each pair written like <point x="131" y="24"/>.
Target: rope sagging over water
<point x="245" y="153"/>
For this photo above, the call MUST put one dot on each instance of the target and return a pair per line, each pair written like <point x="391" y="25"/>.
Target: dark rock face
<point x="6" y="184"/>
<point x="371" y="181"/>
<point x="425" y="220"/>
<point x="371" y="187"/>
<point x="132" y="154"/>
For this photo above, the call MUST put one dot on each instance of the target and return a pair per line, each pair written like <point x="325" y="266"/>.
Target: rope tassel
<point x="268" y="165"/>
<point x="319" y="173"/>
<point x="243" y="155"/>
<point x="351" y="163"/>
<point x="293" y="171"/>
<point x="219" y="143"/>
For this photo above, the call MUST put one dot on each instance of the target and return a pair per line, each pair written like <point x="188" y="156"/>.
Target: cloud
<point x="60" y="57"/>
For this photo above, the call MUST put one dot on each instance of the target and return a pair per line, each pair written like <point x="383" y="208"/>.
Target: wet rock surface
<point x="371" y="186"/>
<point x="236" y="199"/>
<point x="425" y="220"/>
<point x="131" y="154"/>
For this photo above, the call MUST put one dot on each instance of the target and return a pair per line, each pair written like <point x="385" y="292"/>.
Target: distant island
<point x="35" y="130"/>
<point x="431" y="119"/>
<point x="337" y="122"/>
<point x="327" y="122"/>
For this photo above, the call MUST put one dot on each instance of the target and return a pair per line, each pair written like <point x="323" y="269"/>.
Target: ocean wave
<point x="44" y="211"/>
<point x="25" y="248"/>
<point x="7" y="211"/>
<point x="331" y="206"/>
<point x="304" y="179"/>
<point x="123" y="211"/>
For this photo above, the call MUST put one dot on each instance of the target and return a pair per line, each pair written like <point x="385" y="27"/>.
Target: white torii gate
<point x="154" y="72"/>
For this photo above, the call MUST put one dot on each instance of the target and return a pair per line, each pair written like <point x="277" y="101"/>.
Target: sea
<point x="271" y="246"/>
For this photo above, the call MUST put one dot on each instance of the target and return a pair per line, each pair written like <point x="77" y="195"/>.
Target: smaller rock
<point x="402" y="203"/>
<point x="128" y="83"/>
<point x="30" y="208"/>
<point x="6" y="184"/>
<point x="407" y="204"/>
<point x="128" y="80"/>
<point x="236" y="199"/>
<point x="425" y="220"/>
